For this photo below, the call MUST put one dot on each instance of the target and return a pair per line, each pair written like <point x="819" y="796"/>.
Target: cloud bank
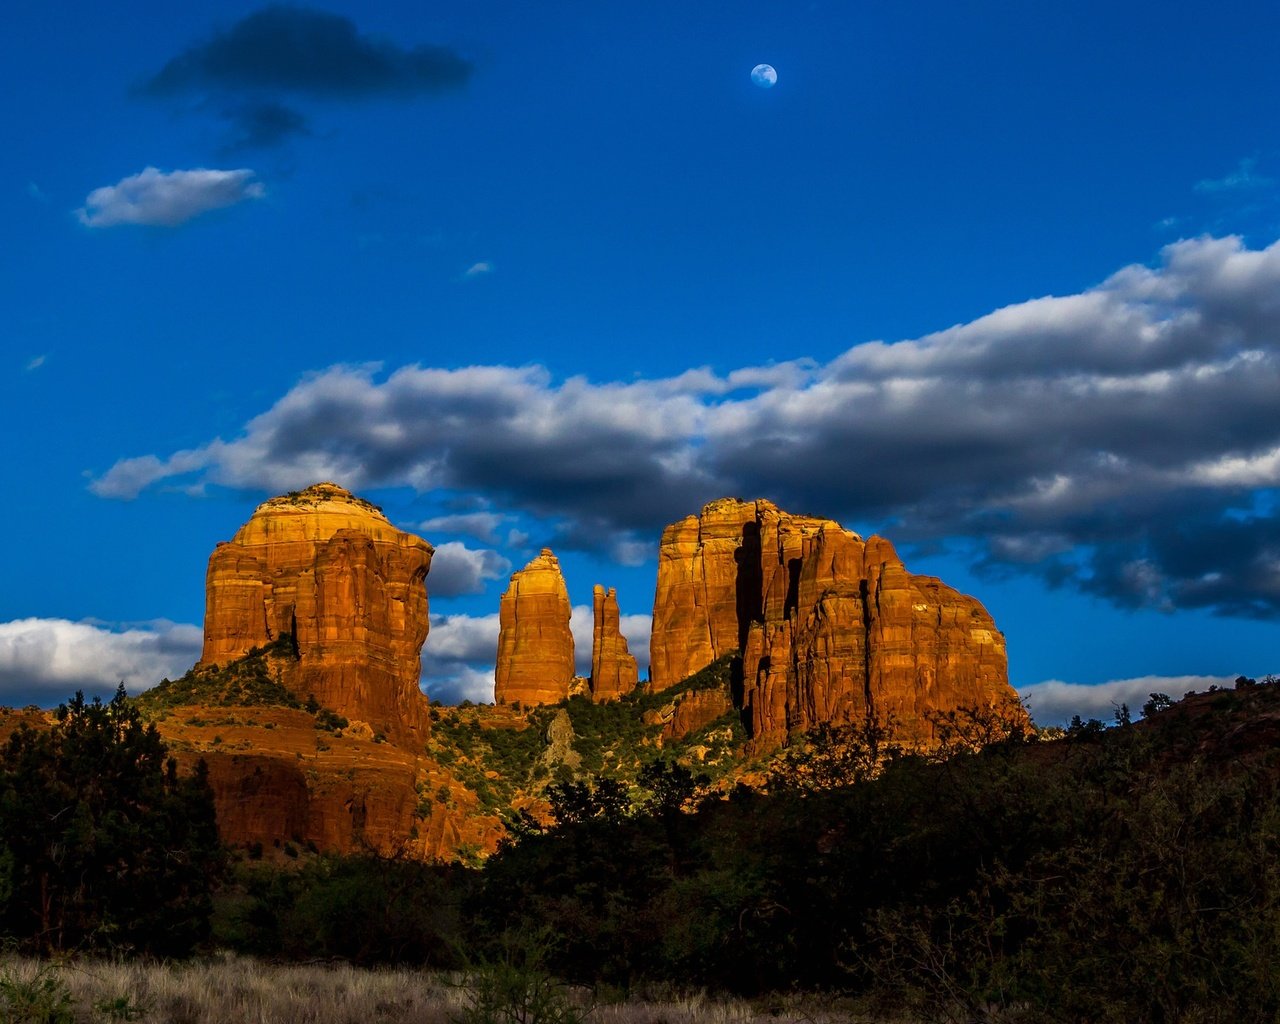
<point x="1123" y="440"/>
<point x="167" y="199"/>
<point x="1055" y="702"/>
<point x="457" y="569"/>
<point x="44" y="661"/>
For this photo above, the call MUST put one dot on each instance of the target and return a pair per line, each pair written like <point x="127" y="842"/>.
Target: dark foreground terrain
<point x="1128" y="873"/>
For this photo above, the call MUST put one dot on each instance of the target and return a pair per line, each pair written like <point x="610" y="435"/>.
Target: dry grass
<point x="242" y="991"/>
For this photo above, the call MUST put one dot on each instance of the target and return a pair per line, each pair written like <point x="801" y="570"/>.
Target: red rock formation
<point x="276" y="779"/>
<point x="535" y="644"/>
<point x="696" y="614"/>
<point x="713" y="582"/>
<point x="330" y="569"/>
<point x="831" y="629"/>
<point x="689" y="712"/>
<point x="613" y="667"/>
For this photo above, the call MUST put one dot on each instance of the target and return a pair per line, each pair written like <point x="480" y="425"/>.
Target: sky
<point x="1000" y="282"/>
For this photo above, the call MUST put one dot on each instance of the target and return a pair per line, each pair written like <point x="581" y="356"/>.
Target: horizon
<point x="997" y="285"/>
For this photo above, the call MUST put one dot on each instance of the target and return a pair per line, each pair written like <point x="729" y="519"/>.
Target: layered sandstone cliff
<point x="278" y="780"/>
<point x="613" y="666"/>
<point x="831" y="629"/>
<point x="535" y="644"/>
<point x="329" y="569"/>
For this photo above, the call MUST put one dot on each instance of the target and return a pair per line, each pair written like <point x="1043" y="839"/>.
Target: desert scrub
<point x="236" y="990"/>
<point x="251" y="681"/>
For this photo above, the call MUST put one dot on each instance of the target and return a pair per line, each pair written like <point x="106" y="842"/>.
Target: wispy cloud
<point x="1115" y="439"/>
<point x="478" y="269"/>
<point x="35" y="363"/>
<point x="44" y="661"/>
<point x="167" y="199"/>
<point x="1244" y="178"/>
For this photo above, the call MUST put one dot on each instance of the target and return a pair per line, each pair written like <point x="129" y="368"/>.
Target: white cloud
<point x="459" y="683"/>
<point x="167" y="199"/>
<point x="460" y="637"/>
<point x="1111" y="430"/>
<point x="458" y="569"/>
<point x="1054" y="702"/>
<point x="44" y="661"/>
<point x="458" y="658"/>
<point x="35" y="363"/>
<point x="582" y="625"/>
<point x="478" y="269"/>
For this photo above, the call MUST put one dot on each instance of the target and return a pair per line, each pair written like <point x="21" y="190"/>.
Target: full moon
<point x="764" y="76"/>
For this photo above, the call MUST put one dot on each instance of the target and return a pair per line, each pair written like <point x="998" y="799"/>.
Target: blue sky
<point x="996" y="281"/>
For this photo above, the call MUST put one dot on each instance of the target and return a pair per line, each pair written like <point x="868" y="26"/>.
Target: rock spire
<point x="535" y="644"/>
<point x="613" y="667"/>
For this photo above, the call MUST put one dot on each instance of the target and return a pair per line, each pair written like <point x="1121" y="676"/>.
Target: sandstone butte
<point x="535" y="643"/>
<point x="831" y="629"/>
<point x="329" y="569"/>
<point x="613" y="666"/>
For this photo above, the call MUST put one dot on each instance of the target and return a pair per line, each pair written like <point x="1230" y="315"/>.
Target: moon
<point x="764" y="76"/>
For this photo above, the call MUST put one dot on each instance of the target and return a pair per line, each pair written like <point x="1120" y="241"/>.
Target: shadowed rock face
<point x="831" y="628"/>
<point x="714" y="579"/>
<point x="330" y="569"/>
<point x="613" y="667"/>
<point x="535" y="644"/>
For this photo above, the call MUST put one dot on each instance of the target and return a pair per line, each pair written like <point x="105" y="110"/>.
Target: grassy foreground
<point x="245" y="991"/>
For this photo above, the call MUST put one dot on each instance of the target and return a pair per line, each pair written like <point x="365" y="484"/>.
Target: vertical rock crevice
<point x="832" y="629"/>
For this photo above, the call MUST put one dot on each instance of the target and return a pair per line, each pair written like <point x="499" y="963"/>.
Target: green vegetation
<point x="363" y="909"/>
<point x="102" y="844"/>
<point x="498" y="759"/>
<point x="250" y="681"/>
<point x="1123" y="874"/>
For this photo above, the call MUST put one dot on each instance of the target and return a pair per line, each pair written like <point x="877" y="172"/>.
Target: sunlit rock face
<point x="535" y="643"/>
<point x="613" y="667"/>
<point x="831" y="628"/>
<point x="328" y="568"/>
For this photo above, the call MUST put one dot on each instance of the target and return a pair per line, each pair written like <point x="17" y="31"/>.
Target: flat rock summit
<point x="766" y="625"/>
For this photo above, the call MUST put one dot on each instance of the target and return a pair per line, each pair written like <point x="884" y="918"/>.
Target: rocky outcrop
<point x="713" y="581"/>
<point x="535" y="644"/>
<point x="831" y="629"/>
<point x="329" y="569"/>
<point x="613" y="667"/>
<point x="689" y="712"/>
<point x="278" y="780"/>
